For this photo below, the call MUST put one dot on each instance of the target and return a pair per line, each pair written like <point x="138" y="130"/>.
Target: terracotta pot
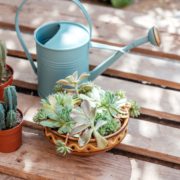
<point x="11" y="139"/>
<point x="7" y="83"/>
<point x="91" y="148"/>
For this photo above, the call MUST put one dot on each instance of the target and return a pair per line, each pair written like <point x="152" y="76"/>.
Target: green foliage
<point x="110" y="127"/>
<point x="112" y="103"/>
<point x="84" y="110"/>
<point x="55" y="112"/>
<point x="71" y="83"/>
<point x="121" y="3"/>
<point x="135" y="109"/>
<point x="8" y="110"/>
<point x="3" y="52"/>
<point x="85" y="118"/>
<point x="62" y="148"/>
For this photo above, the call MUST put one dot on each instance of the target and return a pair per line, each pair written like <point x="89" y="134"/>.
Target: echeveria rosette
<point x="85" y="125"/>
<point x="84" y="111"/>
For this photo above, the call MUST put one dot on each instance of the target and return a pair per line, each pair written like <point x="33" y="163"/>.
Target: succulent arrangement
<point x="83" y="110"/>
<point x="4" y="73"/>
<point x="8" y="109"/>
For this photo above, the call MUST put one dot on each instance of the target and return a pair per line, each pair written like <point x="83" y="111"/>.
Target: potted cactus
<point x="6" y="72"/>
<point x="82" y="118"/>
<point x="10" y="122"/>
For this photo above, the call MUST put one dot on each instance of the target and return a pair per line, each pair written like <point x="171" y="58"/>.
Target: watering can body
<point x="56" y="60"/>
<point x="63" y="48"/>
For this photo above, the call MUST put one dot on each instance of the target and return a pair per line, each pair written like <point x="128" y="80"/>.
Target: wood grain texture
<point x="154" y="100"/>
<point x="147" y="171"/>
<point x="37" y="159"/>
<point x="130" y="63"/>
<point x="114" y="25"/>
<point x="163" y="73"/>
<point x="144" y="138"/>
<point x="7" y="177"/>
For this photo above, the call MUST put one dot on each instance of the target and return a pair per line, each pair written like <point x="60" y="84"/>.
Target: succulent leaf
<point x="85" y="137"/>
<point x="101" y="141"/>
<point x="62" y="148"/>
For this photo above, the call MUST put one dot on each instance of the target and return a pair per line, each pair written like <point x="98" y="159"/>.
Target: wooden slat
<point x="131" y="67"/>
<point x="140" y="50"/>
<point x="147" y="171"/>
<point x="144" y="138"/>
<point x="108" y="22"/>
<point x="33" y="164"/>
<point x="148" y="97"/>
<point x="7" y="177"/>
<point x="36" y="159"/>
<point x="140" y="78"/>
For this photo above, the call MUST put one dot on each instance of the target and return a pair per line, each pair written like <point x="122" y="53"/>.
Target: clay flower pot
<point x="11" y="139"/>
<point x="7" y="83"/>
<point x="90" y="148"/>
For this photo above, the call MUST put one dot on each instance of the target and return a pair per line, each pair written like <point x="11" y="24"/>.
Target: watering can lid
<point x="66" y="35"/>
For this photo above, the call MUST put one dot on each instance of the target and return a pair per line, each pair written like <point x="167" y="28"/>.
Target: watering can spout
<point x="153" y="37"/>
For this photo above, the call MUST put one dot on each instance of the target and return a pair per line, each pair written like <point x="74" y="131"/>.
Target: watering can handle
<point x="77" y="2"/>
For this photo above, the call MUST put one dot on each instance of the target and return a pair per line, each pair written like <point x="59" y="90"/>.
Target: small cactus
<point x="3" y="53"/>
<point x="8" y="117"/>
<point x="10" y="98"/>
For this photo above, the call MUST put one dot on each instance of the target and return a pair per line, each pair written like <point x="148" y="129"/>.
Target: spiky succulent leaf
<point x="40" y="115"/>
<point x="61" y="148"/>
<point x="50" y="123"/>
<point x="135" y="109"/>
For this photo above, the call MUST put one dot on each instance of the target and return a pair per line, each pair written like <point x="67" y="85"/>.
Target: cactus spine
<point x="3" y="53"/>
<point x="8" y="117"/>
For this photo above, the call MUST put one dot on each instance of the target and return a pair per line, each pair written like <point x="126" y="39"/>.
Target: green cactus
<point x="2" y="117"/>
<point x="10" y="98"/>
<point x="9" y="112"/>
<point x="3" y="53"/>
<point x="11" y="119"/>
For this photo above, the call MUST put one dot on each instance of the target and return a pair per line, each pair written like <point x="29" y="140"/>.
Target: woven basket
<point x="90" y="148"/>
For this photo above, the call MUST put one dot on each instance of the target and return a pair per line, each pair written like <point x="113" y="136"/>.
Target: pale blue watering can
<point x="63" y="48"/>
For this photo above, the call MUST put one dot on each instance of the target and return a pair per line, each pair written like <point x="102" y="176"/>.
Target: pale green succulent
<point x="84" y="110"/>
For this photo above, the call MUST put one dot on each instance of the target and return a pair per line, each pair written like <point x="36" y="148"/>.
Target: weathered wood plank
<point x="160" y="100"/>
<point x="36" y="159"/>
<point x="147" y="171"/>
<point x="144" y="138"/>
<point x="132" y="67"/>
<point x="108" y="22"/>
<point x="7" y="177"/>
<point x="33" y="164"/>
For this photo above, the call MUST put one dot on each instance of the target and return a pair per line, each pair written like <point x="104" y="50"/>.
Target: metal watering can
<point x="63" y="48"/>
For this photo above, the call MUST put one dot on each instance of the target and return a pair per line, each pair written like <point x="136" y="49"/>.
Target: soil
<point x="6" y="78"/>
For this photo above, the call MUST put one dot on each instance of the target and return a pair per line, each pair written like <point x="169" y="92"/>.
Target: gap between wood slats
<point x="128" y="148"/>
<point x="143" y="51"/>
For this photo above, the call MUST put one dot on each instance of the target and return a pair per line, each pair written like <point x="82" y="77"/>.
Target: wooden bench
<point x="150" y="76"/>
